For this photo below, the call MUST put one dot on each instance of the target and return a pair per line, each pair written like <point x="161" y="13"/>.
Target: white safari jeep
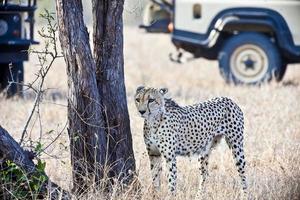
<point x="253" y="40"/>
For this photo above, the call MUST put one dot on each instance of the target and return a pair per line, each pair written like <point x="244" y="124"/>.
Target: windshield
<point x="15" y="2"/>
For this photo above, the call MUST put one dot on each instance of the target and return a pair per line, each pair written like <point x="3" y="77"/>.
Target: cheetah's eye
<point x="151" y="100"/>
<point x="137" y="99"/>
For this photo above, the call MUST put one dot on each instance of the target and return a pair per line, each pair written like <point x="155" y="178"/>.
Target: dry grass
<point x="272" y="112"/>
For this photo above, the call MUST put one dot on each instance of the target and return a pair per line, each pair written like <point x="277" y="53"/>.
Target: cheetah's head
<point x="150" y="101"/>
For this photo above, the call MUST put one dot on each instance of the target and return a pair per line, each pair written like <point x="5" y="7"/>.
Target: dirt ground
<point x="272" y="117"/>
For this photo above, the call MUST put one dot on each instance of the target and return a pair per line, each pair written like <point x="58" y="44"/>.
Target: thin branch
<point x="59" y="134"/>
<point x="36" y="101"/>
<point x="42" y="73"/>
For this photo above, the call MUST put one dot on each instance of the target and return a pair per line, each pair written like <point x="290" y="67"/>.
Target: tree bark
<point x="99" y="126"/>
<point x="108" y="53"/>
<point x="86" y="132"/>
<point x="11" y="150"/>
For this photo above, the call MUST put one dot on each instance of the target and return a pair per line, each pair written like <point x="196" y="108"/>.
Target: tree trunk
<point x="86" y="132"/>
<point x="11" y="150"/>
<point x="108" y="53"/>
<point x="99" y="126"/>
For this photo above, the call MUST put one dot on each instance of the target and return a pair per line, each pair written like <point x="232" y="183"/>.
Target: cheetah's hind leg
<point x="203" y="160"/>
<point x="237" y="149"/>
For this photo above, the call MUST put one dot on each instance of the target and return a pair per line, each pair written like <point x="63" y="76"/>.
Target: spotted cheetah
<point x="171" y="130"/>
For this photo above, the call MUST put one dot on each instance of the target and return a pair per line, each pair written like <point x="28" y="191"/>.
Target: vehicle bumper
<point x="14" y="50"/>
<point x="13" y="53"/>
<point x="13" y="57"/>
<point x="199" y="45"/>
<point x="159" y="26"/>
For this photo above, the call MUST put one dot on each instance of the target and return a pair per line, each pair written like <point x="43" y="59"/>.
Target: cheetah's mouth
<point x="145" y="115"/>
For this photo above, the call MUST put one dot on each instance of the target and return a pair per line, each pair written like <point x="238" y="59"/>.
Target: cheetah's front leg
<point x="156" y="168"/>
<point x="172" y="173"/>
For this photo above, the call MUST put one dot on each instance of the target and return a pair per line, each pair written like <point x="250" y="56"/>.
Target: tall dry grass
<point x="272" y="115"/>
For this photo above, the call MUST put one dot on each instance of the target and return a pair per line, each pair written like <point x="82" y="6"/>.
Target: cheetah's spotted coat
<point x="171" y="130"/>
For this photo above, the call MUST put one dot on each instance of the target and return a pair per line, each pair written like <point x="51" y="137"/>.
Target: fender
<point x="263" y="19"/>
<point x="244" y="19"/>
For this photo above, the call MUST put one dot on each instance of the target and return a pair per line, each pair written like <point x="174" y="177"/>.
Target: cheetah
<point x="171" y="130"/>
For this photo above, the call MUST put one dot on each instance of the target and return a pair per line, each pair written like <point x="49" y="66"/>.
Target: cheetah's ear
<point x="163" y="91"/>
<point x="140" y="88"/>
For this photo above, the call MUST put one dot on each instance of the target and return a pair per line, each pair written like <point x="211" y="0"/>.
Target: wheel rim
<point x="249" y="63"/>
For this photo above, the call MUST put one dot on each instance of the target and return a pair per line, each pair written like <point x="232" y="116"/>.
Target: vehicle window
<point x="197" y="11"/>
<point x="14" y="2"/>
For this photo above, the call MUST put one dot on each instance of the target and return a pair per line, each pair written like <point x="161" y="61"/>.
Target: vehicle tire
<point x="250" y="58"/>
<point x="12" y="73"/>
<point x="279" y="76"/>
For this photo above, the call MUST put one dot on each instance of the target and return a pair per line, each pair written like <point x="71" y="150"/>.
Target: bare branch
<point x="50" y="39"/>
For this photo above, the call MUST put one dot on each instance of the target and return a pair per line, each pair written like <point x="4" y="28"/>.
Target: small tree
<point x="99" y="126"/>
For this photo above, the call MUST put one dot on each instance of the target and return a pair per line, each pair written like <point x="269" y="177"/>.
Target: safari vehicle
<point x="253" y="41"/>
<point x="16" y="35"/>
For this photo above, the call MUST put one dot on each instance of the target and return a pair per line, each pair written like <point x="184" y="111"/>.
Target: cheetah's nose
<point x="142" y="111"/>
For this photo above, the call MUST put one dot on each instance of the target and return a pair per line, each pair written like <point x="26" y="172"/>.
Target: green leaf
<point x="41" y="165"/>
<point x="49" y="132"/>
<point x="38" y="148"/>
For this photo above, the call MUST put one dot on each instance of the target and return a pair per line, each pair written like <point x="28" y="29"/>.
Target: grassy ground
<point x="272" y="115"/>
